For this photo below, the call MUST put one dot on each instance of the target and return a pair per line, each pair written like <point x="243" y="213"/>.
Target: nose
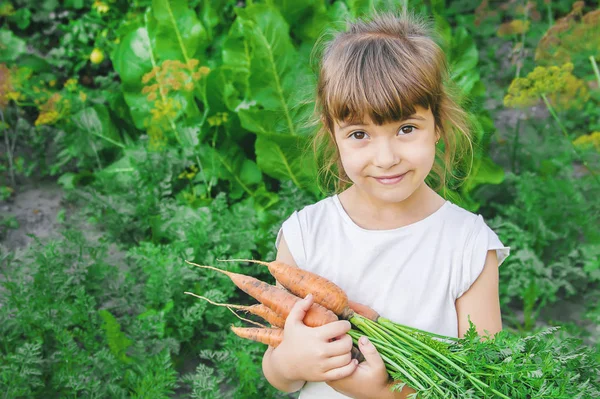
<point x="385" y="155"/>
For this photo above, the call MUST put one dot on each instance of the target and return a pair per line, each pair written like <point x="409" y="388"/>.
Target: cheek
<point x="422" y="156"/>
<point x="352" y="161"/>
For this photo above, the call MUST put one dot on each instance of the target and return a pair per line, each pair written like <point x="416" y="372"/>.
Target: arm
<point x="273" y="374"/>
<point x="481" y="302"/>
<point x="271" y="369"/>
<point x="307" y="354"/>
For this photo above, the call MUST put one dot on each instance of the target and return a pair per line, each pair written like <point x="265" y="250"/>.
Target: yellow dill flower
<point x="189" y="174"/>
<point x="47" y="118"/>
<point x="218" y="119"/>
<point x="166" y="109"/>
<point x="551" y="81"/>
<point x="6" y="9"/>
<point x="55" y="108"/>
<point x="172" y="75"/>
<point x="82" y="96"/>
<point x="571" y="35"/>
<point x="514" y="27"/>
<point x="71" y="84"/>
<point x="588" y="141"/>
<point x="15" y="96"/>
<point x="101" y="7"/>
<point x="157" y="138"/>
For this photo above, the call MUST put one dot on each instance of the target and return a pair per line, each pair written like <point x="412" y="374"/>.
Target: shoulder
<point x="460" y="217"/>
<point x="313" y="215"/>
<point x="318" y="209"/>
<point x="300" y="227"/>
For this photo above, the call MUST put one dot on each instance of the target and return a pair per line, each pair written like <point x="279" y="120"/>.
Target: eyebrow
<point x="351" y="123"/>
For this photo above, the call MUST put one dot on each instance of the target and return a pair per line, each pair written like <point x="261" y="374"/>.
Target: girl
<point x="386" y="238"/>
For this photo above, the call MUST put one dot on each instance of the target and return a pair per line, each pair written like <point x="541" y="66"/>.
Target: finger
<point x="335" y="362"/>
<point x="341" y="372"/>
<point x="299" y="310"/>
<point x="372" y="357"/>
<point x="339" y="347"/>
<point x="333" y="329"/>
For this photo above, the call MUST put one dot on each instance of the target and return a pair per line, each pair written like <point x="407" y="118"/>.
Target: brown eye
<point x="358" y="135"/>
<point x="407" y="129"/>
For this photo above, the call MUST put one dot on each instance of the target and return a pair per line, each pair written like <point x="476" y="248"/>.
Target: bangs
<point x="382" y="77"/>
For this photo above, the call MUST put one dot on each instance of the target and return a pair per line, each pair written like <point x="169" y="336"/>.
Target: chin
<point x="391" y="194"/>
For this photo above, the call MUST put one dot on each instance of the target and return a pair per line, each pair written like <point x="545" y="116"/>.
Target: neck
<point x="369" y="211"/>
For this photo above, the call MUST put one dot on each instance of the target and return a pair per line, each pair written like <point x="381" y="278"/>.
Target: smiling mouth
<point x="390" y="179"/>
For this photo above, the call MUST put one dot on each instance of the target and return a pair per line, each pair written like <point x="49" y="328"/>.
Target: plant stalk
<point x="595" y="68"/>
<point x="564" y="131"/>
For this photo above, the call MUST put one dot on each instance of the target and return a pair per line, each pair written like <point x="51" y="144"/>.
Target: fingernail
<point x="364" y="340"/>
<point x="355" y="362"/>
<point x="308" y="297"/>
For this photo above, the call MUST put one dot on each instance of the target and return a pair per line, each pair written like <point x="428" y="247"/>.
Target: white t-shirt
<point x="411" y="275"/>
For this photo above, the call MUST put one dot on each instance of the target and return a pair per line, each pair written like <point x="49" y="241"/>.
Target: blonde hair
<point x="384" y="67"/>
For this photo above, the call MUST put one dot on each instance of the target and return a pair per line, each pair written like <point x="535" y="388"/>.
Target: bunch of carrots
<point x="435" y="366"/>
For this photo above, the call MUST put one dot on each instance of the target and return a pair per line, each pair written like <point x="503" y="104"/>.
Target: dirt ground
<point x="35" y="207"/>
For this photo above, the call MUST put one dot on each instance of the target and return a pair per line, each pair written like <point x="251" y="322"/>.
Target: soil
<point x="35" y="207"/>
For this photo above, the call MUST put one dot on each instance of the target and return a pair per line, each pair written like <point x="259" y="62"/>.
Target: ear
<point x="438" y="134"/>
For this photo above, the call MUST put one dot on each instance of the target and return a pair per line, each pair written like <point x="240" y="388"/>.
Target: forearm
<point x="273" y="374"/>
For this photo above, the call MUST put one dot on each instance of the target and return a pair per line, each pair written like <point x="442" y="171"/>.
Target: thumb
<point x="299" y="310"/>
<point x="372" y="357"/>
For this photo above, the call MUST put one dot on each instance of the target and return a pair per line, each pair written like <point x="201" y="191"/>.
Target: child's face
<point x="388" y="162"/>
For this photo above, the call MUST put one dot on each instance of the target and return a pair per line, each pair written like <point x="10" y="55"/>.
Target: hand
<point x="369" y="380"/>
<point x="314" y="354"/>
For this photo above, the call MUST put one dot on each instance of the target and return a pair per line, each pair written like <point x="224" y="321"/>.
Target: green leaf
<point x="21" y="18"/>
<point x="132" y="58"/>
<point x="463" y="55"/>
<point x="276" y="77"/>
<point x="250" y="173"/>
<point x="175" y="31"/>
<point x="282" y="157"/>
<point x="11" y="46"/>
<point x="117" y="341"/>
<point x="307" y="18"/>
<point x="96" y="121"/>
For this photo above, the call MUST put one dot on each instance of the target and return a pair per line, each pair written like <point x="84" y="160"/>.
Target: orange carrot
<point x="302" y="282"/>
<point x="278" y="300"/>
<point x="363" y="310"/>
<point x="259" y="310"/>
<point x="268" y="336"/>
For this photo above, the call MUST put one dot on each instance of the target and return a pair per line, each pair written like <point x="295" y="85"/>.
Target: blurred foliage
<point x="180" y="129"/>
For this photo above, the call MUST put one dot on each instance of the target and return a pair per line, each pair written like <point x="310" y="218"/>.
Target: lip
<point x="390" y="179"/>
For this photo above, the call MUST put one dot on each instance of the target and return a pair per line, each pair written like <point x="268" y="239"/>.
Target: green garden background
<point x="137" y="134"/>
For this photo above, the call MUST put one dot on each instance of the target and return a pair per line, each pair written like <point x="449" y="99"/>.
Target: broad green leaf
<point x="175" y="31"/>
<point x="486" y="172"/>
<point x="139" y="106"/>
<point x="250" y="173"/>
<point x="11" y="46"/>
<point x="222" y="92"/>
<point x="96" y="122"/>
<point x="132" y="58"/>
<point x="284" y="157"/>
<point x="307" y="18"/>
<point x="463" y="55"/>
<point x="275" y="75"/>
<point x="229" y="163"/>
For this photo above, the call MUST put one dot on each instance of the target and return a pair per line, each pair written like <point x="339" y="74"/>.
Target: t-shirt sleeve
<point x="293" y="232"/>
<point x="481" y="240"/>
